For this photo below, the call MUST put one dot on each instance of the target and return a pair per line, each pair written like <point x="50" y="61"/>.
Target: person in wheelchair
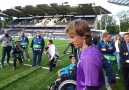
<point x="65" y="73"/>
<point x="17" y="53"/>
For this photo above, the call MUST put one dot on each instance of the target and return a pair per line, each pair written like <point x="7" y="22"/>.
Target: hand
<point x="44" y="52"/>
<point x="59" y="72"/>
<point x="103" y="49"/>
<point x="113" y="86"/>
<point x="45" y="49"/>
<point x="11" y="51"/>
<point x="110" y="48"/>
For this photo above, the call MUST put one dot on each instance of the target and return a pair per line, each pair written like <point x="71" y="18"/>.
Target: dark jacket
<point x="108" y="51"/>
<point x="38" y="41"/>
<point x="124" y="53"/>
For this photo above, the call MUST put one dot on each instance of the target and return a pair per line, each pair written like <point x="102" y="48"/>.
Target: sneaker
<point x="49" y="88"/>
<point x="50" y="71"/>
<point x="14" y="68"/>
<point x="2" y="66"/>
<point x="32" y="65"/>
<point x="58" y="79"/>
<point x="117" y="77"/>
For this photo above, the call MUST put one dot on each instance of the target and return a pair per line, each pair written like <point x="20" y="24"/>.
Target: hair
<point x="81" y="28"/>
<point x="50" y="41"/>
<point x="105" y="34"/>
<point x="126" y="34"/>
<point x="117" y="35"/>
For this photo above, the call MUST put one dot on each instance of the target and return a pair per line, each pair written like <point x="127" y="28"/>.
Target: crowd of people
<point x="96" y="56"/>
<point x="91" y="57"/>
<point x="18" y="47"/>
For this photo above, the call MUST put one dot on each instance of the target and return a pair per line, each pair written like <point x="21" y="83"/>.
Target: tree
<point x="108" y="23"/>
<point x="5" y="20"/>
<point x="124" y="20"/>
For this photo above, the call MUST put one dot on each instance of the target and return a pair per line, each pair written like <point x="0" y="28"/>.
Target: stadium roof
<point x="120" y="2"/>
<point x="55" y="9"/>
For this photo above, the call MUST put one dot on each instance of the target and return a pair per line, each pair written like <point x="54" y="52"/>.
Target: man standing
<point x="24" y="44"/>
<point x="37" y="45"/>
<point x="51" y="51"/>
<point x="5" y="40"/>
<point x="124" y="54"/>
<point x="107" y="48"/>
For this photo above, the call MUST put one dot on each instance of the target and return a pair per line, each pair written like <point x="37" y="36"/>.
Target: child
<point x="64" y="72"/>
<point x="17" y="53"/>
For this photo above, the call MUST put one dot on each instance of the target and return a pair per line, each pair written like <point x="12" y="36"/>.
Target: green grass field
<point x="37" y="78"/>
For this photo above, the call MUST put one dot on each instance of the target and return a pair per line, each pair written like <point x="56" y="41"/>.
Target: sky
<point x="6" y="4"/>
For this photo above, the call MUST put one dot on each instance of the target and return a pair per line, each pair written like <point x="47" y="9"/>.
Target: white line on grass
<point x="45" y="67"/>
<point x="27" y="65"/>
<point x="62" y="45"/>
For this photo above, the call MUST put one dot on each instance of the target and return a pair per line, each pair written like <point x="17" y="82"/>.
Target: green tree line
<point x="110" y="24"/>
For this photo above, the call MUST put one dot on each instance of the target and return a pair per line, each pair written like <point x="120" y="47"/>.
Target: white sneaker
<point x="117" y="77"/>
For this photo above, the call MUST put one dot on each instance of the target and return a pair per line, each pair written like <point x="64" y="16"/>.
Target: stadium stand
<point x="51" y="19"/>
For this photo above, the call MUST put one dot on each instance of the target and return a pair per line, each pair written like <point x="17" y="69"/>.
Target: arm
<point x="20" y="48"/>
<point x="65" y="68"/>
<point x="52" y="51"/>
<point x="19" y="38"/>
<point x="1" y="39"/>
<point x="43" y="44"/>
<point x="12" y="50"/>
<point x="121" y="51"/>
<point x="31" y="45"/>
<point x="111" y="50"/>
<point x="98" y="45"/>
<point x="92" y="70"/>
<point x="27" y="40"/>
<point x="11" y="39"/>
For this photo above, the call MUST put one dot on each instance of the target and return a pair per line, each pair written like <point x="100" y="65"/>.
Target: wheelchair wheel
<point x="67" y="85"/>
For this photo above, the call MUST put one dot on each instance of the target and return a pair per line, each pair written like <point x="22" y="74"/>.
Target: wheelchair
<point x="66" y="82"/>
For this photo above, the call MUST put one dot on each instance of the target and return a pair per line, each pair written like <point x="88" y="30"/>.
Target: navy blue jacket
<point x="24" y="39"/>
<point x="109" y="51"/>
<point x="38" y="41"/>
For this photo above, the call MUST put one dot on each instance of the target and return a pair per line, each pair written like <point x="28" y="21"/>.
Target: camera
<point x="14" y="44"/>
